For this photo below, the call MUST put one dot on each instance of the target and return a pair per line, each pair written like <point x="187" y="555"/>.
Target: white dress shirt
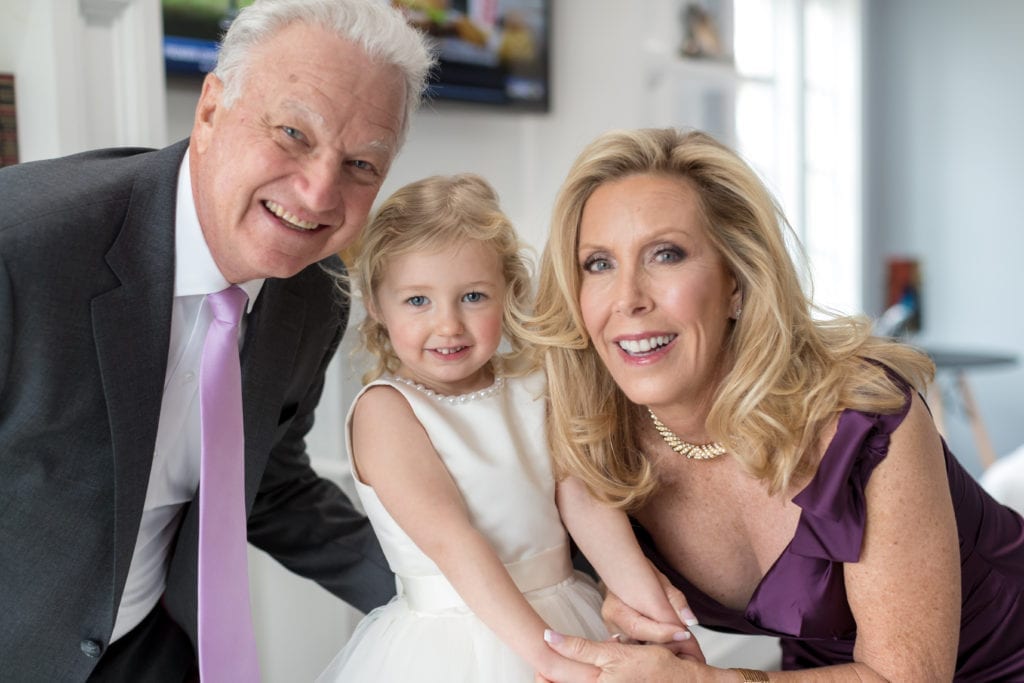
<point x="174" y="478"/>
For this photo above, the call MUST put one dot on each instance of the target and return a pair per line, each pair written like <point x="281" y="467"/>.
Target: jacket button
<point x="91" y="648"/>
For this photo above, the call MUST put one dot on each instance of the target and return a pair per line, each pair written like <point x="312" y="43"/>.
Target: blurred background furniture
<point x="1004" y="480"/>
<point x="959" y="363"/>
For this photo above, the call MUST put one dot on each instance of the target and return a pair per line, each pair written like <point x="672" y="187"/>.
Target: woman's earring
<point x="736" y="313"/>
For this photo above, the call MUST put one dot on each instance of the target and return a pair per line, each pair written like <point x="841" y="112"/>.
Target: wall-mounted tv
<point x="491" y="52"/>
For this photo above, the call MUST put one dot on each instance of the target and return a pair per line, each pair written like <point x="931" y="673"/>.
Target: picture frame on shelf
<point x="902" y="315"/>
<point x="702" y="33"/>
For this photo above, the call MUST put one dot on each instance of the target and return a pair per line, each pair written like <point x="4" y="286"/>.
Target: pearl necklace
<point x="487" y="392"/>
<point x="693" y="451"/>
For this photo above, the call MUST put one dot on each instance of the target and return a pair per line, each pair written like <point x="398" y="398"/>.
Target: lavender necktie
<point x="227" y="646"/>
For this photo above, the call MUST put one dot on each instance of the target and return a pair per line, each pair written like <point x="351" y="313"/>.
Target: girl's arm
<point x="605" y="536"/>
<point x="393" y="454"/>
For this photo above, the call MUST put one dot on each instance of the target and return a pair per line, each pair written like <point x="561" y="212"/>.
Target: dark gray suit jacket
<point x="86" y="289"/>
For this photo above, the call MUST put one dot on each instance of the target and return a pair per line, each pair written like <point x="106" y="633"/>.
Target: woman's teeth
<point x="635" y="346"/>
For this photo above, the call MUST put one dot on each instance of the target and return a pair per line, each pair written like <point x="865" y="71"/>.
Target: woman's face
<point x="655" y="295"/>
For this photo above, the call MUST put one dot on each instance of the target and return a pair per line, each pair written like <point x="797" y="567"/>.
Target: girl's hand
<point x="625" y="663"/>
<point x="677" y="600"/>
<point x="633" y="627"/>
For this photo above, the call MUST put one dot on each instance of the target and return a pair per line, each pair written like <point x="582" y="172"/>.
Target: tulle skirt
<point x="417" y="640"/>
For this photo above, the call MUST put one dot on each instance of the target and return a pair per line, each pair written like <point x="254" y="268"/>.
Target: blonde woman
<point x="784" y="472"/>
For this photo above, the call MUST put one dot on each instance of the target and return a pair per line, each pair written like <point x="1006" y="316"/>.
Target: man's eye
<point x="293" y="133"/>
<point x="417" y="300"/>
<point x="363" y="165"/>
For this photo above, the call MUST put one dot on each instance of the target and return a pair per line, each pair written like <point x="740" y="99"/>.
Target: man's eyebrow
<point x="380" y="146"/>
<point x="303" y="110"/>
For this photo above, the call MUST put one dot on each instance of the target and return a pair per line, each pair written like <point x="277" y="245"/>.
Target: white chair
<point x="1004" y="480"/>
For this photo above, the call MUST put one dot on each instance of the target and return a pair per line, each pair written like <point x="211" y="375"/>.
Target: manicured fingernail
<point x="688" y="617"/>
<point x="553" y="637"/>
<point x="681" y="635"/>
<point x="615" y="636"/>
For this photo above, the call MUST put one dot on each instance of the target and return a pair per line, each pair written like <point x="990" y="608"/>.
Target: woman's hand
<point x="632" y="626"/>
<point x="620" y="662"/>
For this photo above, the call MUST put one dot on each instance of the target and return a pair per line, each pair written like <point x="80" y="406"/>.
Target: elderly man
<point x="137" y="450"/>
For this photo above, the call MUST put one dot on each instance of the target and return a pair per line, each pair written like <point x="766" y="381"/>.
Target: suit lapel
<point x="131" y="328"/>
<point x="271" y="341"/>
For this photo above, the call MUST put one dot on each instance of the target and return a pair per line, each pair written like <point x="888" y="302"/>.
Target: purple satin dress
<point x="802" y="597"/>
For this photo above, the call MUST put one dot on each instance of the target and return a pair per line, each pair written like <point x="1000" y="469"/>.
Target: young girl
<point x="450" y="460"/>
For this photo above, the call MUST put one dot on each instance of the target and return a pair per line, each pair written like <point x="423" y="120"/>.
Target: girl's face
<point x="655" y="295"/>
<point x="443" y="312"/>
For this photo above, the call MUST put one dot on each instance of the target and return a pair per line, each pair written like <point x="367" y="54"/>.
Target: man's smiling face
<point x="287" y="175"/>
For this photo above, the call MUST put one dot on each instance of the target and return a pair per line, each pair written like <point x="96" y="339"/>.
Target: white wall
<point x="88" y="73"/>
<point x="945" y="165"/>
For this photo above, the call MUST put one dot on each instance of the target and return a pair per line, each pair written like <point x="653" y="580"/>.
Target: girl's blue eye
<point x="418" y="300"/>
<point x="474" y="297"/>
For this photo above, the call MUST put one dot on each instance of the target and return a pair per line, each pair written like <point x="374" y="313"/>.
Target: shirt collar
<point x="195" y="272"/>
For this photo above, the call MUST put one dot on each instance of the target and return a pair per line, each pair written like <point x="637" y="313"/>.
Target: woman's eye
<point x="417" y="300"/>
<point x="669" y="255"/>
<point x="474" y="297"/>
<point x="596" y="264"/>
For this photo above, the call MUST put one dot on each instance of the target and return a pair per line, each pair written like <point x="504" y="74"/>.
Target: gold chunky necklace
<point x="693" y="451"/>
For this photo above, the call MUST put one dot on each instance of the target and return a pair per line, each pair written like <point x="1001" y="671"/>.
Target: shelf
<point x="709" y="71"/>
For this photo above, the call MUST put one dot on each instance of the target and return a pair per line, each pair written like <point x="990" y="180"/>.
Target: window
<point x="798" y="121"/>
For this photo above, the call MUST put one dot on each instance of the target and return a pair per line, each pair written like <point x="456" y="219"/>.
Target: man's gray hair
<point x="381" y="31"/>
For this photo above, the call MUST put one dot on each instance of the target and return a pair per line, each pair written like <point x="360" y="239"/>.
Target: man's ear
<point x="206" y="111"/>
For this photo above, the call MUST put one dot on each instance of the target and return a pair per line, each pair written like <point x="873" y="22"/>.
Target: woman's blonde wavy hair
<point x="787" y="373"/>
<point x="431" y="214"/>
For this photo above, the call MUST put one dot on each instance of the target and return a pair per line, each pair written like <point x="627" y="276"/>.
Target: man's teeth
<point x="446" y="352"/>
<point x="635" y="346"/>
<point x="287" y="216"/>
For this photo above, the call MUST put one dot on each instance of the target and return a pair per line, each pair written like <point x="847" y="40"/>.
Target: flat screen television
<point x="490" y="52"/>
